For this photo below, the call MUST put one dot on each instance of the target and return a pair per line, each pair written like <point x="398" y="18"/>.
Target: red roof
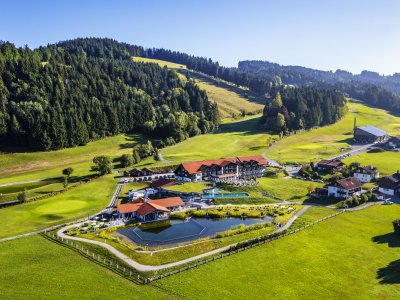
<point x="349" y="183"/>
<point x="128" y="207"/>
<point x="148" y="208"/>
<point x="144" y="208"/>
<point x="195" y="166"/>
<point x="162" y="182"/>
<point x="168" y="202"/>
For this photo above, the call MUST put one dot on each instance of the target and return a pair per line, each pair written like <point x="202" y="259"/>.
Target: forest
<point x="370" y="87"/>
<point x="67" y="94"/>
<point x="293" y="109"/>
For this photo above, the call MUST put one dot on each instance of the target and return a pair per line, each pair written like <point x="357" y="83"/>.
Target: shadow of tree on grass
<point x="391" y="239"/>
<point x="389" y="274"/>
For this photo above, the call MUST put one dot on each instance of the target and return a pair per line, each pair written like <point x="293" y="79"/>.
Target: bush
<point x="198" y="213"/>
<point x="179" y="215"/>
<point x="217" y="214"/>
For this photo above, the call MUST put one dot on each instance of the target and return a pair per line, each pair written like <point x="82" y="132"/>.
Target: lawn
<point x="187" y="187"/>
<point x="326" y="142"/>
<point x="75" y="203"/>
<point x="236" y="138"/>
<point x="280" y="187"/>
<point x="162" y="63"/>
<point x="35" y="268"/>
<point x="354" y="255"/>
<point x="19" y="166"/>
<point x="312" y="214"/>
<point x="386" y="162"/>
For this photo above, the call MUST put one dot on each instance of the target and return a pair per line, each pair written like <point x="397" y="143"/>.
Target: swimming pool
<point x="185" y="231"/>
<point x="225" y="195"/>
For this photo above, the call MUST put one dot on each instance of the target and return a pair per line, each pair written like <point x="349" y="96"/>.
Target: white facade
<point x="338" y="192"/>
<point x="363" y="177"/>
<point x="389" y="192"/>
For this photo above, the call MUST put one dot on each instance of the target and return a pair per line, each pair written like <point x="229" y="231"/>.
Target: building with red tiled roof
<point x="150" y="210"/>
<point x="330" y="166"/>
<point x="235" y="167"/>
<point x="162" y="182"/>
<point x="345" y="188"/>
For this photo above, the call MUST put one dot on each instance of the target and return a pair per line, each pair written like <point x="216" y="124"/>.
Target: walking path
<point x="145" y="268"/>
<point x="24" y="181"/>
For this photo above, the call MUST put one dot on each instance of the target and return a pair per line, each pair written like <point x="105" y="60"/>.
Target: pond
<point x="185" y="231"/>
<point x="224" y="195"/>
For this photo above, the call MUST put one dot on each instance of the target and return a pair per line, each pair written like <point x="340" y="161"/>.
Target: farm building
<point x="237" y="167"/>
<point x="345" y="188"/>
<point x="390" y="185"/>
<point x="366" y="174"/>
<point x="369" y="134"/>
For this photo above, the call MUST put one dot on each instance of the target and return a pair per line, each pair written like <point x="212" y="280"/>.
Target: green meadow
<point x="352" y="256"/>
<point x="386" y="162"/>
<point x="234" y="138"/>
<point x="35" y="268"/>
<point x="78" y="202"/>
<point x="328" y="141"/>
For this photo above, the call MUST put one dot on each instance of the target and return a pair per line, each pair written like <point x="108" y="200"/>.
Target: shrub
<point x="179" y="215"/>
<point x="216" y="214"/>
<point x="198" y="213"/>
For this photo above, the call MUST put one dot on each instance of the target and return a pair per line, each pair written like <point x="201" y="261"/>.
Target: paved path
<point x="24" y="181"/>
<point x="145" y="268"/>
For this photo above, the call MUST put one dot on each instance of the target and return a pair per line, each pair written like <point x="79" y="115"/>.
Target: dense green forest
<point x="294" y="109"/>
<point x="372" y="88"/>
<point x="68" y="94"/>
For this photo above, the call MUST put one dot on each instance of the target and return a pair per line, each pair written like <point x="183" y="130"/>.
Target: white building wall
<point x="389" y="192"/>
<point x="363" y="177"/>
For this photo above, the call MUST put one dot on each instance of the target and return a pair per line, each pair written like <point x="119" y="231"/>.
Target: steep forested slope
<point x="67" y="94"/>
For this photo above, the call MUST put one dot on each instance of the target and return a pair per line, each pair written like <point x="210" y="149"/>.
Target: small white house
<point x="390" y="185"/>
<point x="345" y="188"/>
<point x="366" y="174"/>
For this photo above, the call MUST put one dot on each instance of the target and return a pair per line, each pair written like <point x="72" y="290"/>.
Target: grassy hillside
<point x="19" y="165"/>
<point x="360" y="260"/>
<point x="76" y="203"/>
<point x="234" y="138"/>
<point x="230" y="99"/>
<point x="386" y="162"/>
<point x="35" y="268"/>
<point x="327" y="141"/>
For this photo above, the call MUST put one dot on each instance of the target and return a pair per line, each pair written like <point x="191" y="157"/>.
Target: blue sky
<point x="351" y="35"/>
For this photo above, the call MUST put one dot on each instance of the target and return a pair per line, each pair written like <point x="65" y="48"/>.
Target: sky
<point x="351" y="35"/>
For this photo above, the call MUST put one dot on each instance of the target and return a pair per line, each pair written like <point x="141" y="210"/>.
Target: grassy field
<point x="328" y="141"/>
<point x="236" y="138"/>
<point x="283" y="188"/>
<point x="162" y="63"/>
<point x="195" y="187"/>
<point x="19" y="166"/>
<point x="230" y="99"/>
<point x="312" y="214"/>
<point x="386" y="162"/>
<point x="76" y="203"/>
<point x="354" y="255"/>
<point x="35" y="268"/>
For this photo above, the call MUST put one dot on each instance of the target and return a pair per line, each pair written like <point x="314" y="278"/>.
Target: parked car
<point x="387" y="202"/>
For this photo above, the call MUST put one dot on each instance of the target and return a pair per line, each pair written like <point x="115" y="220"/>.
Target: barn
<point x="369" y="134"/>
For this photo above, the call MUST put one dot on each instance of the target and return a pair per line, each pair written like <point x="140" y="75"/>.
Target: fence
<point x="113" y="265"/>
<point x="133" y="275"/>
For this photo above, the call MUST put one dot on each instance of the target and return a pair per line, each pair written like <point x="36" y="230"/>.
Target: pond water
<point x="184" y="231"/>
<point x="224" y="195"/>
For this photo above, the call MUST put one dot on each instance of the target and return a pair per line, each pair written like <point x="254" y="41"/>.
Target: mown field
<point x="354" y="255"/>
<point x="326" y="142"/>
<point x="19" y="166"/>
<point x="386" y="162"/>
<point x="35" y="268"/>
<point x="75" y="203"/>
<point x="236" y="138"/>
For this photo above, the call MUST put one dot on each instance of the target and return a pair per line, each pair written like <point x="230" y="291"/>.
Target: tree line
<point x="67" y="94"/>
